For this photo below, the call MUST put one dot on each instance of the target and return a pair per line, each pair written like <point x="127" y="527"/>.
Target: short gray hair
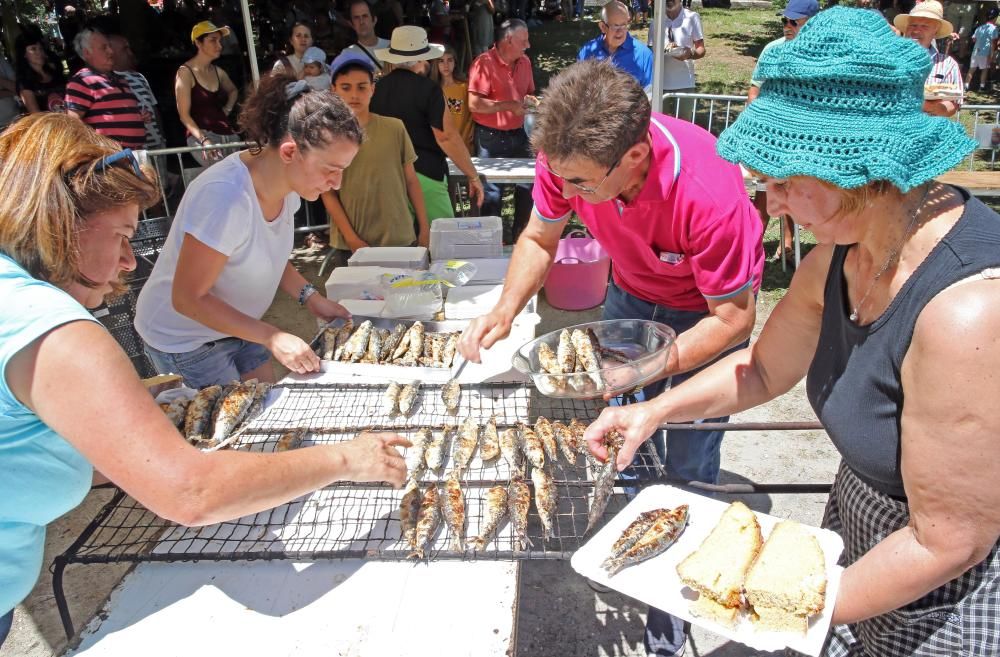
<point x="82" y="39"/>
<point x="614" y="5"/>
<point x="510" y="26"/>
<point x="407" y="65"/>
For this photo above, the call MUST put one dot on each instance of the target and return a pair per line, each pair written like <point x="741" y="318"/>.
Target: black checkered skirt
<point x="960" y="618"/>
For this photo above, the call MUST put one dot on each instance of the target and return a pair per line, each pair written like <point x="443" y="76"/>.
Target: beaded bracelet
<point x="307" y="291"/>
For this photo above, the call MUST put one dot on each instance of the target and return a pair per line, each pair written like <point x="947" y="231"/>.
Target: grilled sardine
<point x="290" y="440"/>
<point x="390" y="399"/>
<point x="390" y="343"/>
<point x="546" y="500"/>
<point x="343" y="335"/>
<point x="489" y="447"/>
<point x="451" y="393"/>
<point x="416" y="462"/>
<point x="565" y="353"/>
<point x="434" y="455"/>
<point x="408" y="397"/>
<point x="468" y="439"/>
<point x="428" y="519"/>
<point x="199" y="414"/>
<point x="518" y="503"/>
<point x="450" y="347"/>
<point x="328" y="344"/>
<point x="357" y="344"/>
<point x="176" y="411"/>
<point x="416" y="343"/>
<point x="403" y="346"/>
<point x="547" y="359"/>
<point x="453" y="509"/>
<point x="230" y="409"/>
<point x="566" y="441"/>
<point x="633" y="533"/>
<point x="496" y="509"/>
<point x="604" y="484"/>
<point x="548" y="437"/>
<point x="657" y="538"/>
<point x="531" y="445"/>
<point x="409" y="512"/>
<point x="510" y="447"/>
<point x="374" y="347"/>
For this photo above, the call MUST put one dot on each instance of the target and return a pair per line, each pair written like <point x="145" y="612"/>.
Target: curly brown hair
<point x="592" y="110"/>
<point x="312" y="119"/>
<point x="51" y="183"/>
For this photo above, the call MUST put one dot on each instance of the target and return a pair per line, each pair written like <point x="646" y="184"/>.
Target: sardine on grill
<point x="343" y="335"/>
<point x="408" y="397"/>
<point x="437" y="449"/>
<point x="510" y="447"/>
<point x="374" y="347"/>
<point x="409" y="512"/>
<point x="428" y="519"/>
<point x="357" y="344"/>
<point x="489" y="446"/>
<point x="453" y="509"/>
<point x="176" y="411"/>
<point x="328" y="343"/>
<point x="437" y="349"/>
<point x="450" y="347"/>
<point x="496" y="509"/>
<point x="416" y="455"/>
<point x="391" y="342"/>
<point x="416" y="342"/>
<point x="548" y="437"/>
<point x="390" y="398"/>
<point x="290" y="440"/>
<point x="531" y="445"/>
<point x="403" y="346"/>
<point x="566" y="353"/>
<point x="604" y="484"/>
<point x="518" y="503"/>
<point x="465" y="445"/>
<point x="230" y="409"/>
<point x="199" y="414"/>
<point x="658" y="537"/>
<point x="566" y="441"/>
<point x="546" y="500"/>
<point x="451" y="394"/>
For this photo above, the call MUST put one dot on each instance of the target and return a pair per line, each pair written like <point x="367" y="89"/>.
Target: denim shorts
<point x="215" y="362"/>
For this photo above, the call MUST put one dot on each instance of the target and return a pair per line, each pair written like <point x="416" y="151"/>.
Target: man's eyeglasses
<point x="790" y="22"/>
<point x="612" y="27"/>
<point x="583" y="188"/>
<point x="124" y="154"/>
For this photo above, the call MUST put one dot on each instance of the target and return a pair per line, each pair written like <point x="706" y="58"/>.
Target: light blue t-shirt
<point x="41" y="475"/>
<point x="983" y="39"/>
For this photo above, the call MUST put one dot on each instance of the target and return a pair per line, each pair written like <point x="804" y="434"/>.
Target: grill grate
<point x="349" y="520"/>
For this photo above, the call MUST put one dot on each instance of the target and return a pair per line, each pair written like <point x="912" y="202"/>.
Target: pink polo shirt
<point x="690" y="234"/>
<point x="491" y="78"/>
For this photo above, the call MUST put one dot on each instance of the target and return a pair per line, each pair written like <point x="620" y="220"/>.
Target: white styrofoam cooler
<point x="402" y="257"/>
<point x="357" y="282"/>
<point x="466" y="237"/>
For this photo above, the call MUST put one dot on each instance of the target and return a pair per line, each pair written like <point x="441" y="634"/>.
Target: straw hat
<point x="929" y="9"/>
<point x="409" y="44"/>
<point x="843" y="102"/>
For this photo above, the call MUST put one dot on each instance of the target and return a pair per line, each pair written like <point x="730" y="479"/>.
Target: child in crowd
<point x="314" y="70"/>
<point x="456" y="92"/>
<point x="379" y="189"/>
<point x="984" y="46"/>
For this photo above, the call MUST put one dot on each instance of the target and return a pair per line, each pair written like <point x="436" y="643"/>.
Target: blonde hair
<point x="50" y="183"/>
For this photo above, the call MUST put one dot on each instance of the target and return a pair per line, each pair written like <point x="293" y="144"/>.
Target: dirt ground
<point x="559" y="614"/>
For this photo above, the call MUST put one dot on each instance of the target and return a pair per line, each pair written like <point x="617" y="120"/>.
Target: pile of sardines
<point x="403" y="345"/>
<point x="216" y="415"/>
<point x="579" y="351"/>
<point x="422" y="509"/>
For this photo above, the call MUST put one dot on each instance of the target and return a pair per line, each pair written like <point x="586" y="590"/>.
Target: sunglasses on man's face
<point x="790" y="22"/>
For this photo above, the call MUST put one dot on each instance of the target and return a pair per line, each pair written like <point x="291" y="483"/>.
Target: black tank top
<point x="854" y="382"/>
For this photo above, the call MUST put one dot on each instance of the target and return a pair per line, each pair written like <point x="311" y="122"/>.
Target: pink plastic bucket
<point x="578" y="278"/>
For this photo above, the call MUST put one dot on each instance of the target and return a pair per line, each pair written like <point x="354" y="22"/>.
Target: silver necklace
<point x="892" y="255"/>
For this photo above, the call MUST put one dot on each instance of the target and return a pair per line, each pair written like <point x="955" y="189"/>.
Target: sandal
<point x="314" y="241"/>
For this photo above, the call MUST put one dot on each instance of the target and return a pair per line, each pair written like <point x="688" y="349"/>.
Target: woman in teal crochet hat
<point x="892" y="320"/>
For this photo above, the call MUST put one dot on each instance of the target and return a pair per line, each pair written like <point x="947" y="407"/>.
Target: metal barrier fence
<point x="715" y="112"/>
<point x="174" y="180"/>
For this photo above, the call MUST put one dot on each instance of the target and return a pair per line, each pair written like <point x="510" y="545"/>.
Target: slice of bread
<point x="789" y="574"/>
<point x="706" y="607"/>
<point x="779" y="620"/>
<point x="717" y="568"/>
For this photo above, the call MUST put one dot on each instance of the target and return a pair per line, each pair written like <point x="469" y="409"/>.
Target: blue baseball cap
<point x="349" y="56"/>
<point x="800" y="9"/>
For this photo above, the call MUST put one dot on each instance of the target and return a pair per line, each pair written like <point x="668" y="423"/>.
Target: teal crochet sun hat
<point x="842" y="102"/>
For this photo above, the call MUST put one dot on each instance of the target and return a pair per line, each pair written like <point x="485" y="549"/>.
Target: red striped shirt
<point x="107" y="105"/>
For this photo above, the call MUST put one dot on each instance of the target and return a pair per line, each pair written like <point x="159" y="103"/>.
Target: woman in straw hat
<point x="944" y="88"/>
<point x="892" y="318"/>
<point x="72" y="409"/>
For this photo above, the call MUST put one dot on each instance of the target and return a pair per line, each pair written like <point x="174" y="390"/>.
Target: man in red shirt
<point x="500" y="88"/>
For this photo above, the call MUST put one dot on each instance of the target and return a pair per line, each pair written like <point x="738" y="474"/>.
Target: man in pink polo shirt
<point x="500" y="88"/>
<point x="682" y="233"/>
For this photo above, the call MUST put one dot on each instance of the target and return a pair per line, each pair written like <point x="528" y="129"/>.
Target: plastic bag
<point x="455" y="272"/>
<point x="413" y="296"/>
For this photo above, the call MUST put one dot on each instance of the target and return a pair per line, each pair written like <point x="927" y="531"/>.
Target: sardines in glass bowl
<point x="591" y="360"/>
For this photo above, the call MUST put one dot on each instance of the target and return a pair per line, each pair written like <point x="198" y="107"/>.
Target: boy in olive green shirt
<point x="380" y="192"/>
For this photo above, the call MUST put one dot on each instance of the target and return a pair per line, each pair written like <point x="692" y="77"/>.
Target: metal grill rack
<point x="349" y="520"/>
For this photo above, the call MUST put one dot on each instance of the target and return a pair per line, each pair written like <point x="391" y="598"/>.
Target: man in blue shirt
<point x="625" y="51"/>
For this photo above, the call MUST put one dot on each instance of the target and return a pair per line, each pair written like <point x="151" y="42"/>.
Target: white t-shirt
<point x="221" y="210"/>
<point x="684" y="31"/>
<point x="294" y="60"/>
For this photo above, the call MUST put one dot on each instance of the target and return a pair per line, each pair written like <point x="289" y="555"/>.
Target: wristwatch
<point x="307" y="291"/>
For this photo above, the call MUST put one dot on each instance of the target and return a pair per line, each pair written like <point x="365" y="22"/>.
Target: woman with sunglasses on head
<point x="71" y="405"/>
<point x="227" y="253"/>
<point x="892" y="321"/>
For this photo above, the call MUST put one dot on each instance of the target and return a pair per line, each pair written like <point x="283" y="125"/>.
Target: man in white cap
<point x="923" y="24"/>
<point x="410" y="96"/>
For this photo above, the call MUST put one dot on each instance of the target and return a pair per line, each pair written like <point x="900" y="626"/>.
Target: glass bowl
<point x="634" y="352"/>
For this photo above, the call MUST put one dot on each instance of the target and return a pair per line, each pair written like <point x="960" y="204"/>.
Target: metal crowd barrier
<point x="715" y="112"/>
<point x="183" y="175"/>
